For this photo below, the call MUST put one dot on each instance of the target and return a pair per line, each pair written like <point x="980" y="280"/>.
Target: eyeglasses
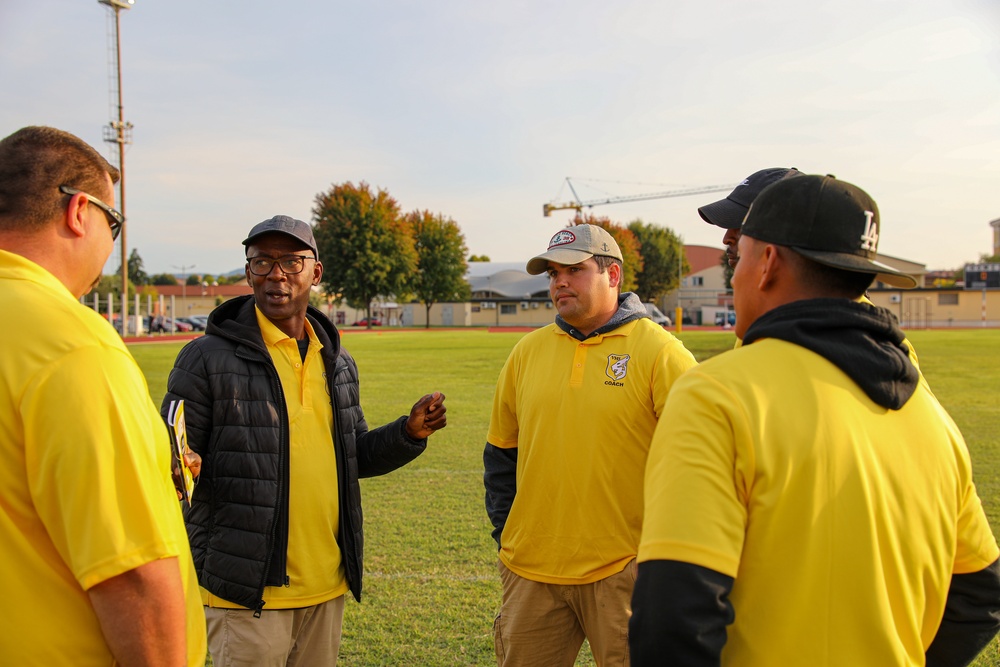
<point x="115" y="218"/>
<point x="290" y="264"/>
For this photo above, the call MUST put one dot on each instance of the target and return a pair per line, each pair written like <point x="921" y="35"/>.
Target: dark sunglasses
<point x="115" y="218"/>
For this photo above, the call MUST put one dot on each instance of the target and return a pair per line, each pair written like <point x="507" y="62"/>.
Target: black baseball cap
<point x="827" y="220"/>
<point x="728" y="213"/>
<point x="283" y="224"/>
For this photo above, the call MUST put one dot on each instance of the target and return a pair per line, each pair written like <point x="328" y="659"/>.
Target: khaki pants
<point x="279" y="638"/>
<point x="544" y="625"/>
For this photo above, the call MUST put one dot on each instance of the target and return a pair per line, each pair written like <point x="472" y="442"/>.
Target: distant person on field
<point x="807" y="499"/>
<point x="573" y="414"/>
<point x="97" y="565"/>
<point x="272" y="406"/>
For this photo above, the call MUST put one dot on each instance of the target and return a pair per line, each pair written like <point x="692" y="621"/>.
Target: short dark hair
<point x="34" y="162"/>
<point x="603" y="262"/>
<point x="828" y="280"/>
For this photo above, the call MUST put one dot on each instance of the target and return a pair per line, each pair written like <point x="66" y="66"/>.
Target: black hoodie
<point x="860" y="339"/>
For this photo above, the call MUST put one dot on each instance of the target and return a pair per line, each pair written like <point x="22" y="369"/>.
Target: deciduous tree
<point x="441" y="267"/>
<point x="660" y="248"/>
<point x="109" y="284"/>
<point x="163" y="279"/>
<point x="627" y="242"/>
<point x="365" y="247"/>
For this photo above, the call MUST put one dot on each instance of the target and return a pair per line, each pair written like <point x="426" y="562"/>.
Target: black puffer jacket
<point x="238" y="423"/>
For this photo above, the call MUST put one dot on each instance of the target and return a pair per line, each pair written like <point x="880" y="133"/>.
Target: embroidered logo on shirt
<point x="617" y="368"/>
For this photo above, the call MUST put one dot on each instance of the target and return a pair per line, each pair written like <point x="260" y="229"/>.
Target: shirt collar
<point x="272" y="335"/>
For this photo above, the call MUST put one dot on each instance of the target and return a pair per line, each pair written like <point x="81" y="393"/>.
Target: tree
<point x="364" y="244"/>
<point x="224" y="279"/>
<point x="479" y="258"/>
<point x="441" y="267"/>
<point x="627" y="243"/>
<point x="109" y="284"/>
<point x="193" y="279"/>
<point x="661" y="249"/>
<point x="136" y="275"/>
<point x="163" y="279"/>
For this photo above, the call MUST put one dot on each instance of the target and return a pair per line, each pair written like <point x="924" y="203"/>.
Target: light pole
<point x="184" y="289"/>
<point x="120" y="133"/>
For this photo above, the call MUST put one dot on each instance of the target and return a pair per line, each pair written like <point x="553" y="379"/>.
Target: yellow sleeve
<point x="98" y="465"/>
<point x="674" y="361"/>
<point x="696" y="483"/>
<point x="976" y="546"/>
<point x="503" y="427"/>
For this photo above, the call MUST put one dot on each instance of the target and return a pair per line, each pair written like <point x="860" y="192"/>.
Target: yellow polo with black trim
<point x="85" y="488"/>
<point x="315" y="572"/>
<point x="841" y="521"/>
<point x="582" y="414"/>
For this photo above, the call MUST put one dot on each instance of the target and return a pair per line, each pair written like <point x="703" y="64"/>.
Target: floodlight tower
<point x="119" y="132"/>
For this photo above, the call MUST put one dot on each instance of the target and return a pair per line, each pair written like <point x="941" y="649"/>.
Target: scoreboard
<point x="981" y="276"/>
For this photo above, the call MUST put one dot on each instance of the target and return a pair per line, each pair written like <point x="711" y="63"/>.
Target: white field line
<point x="416" y="575"/>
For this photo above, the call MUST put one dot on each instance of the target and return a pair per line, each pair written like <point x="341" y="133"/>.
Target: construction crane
<point x="578" y="205"/>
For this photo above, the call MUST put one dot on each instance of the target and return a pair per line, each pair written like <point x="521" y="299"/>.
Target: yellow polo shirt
<point x="85" y="489"/>
<point x="841" y="521"/>
<point x="315" y="572"/>
<point x="582" y="415"/>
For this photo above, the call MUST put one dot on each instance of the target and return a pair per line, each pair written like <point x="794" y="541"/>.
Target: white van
<point x="657" y="315"/>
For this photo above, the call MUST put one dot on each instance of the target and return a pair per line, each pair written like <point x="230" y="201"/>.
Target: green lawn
<point x="431" y="589"/>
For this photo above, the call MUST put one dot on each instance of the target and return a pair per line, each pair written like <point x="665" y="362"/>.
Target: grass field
<point x="431" y="588"/>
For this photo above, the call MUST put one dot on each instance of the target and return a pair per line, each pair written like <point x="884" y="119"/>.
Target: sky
<point x="479" y="111"/>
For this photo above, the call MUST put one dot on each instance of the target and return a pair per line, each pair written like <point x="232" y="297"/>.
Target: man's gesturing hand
<point x="427" y="416"/>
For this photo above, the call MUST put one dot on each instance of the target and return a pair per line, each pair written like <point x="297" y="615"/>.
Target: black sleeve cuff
<point x="971" y="618"/>
<point x="679" y="615"/>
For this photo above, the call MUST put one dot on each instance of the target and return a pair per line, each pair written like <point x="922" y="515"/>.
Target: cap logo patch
<point x="563" y="237"/>
<point x="617" y="366"/>
<point x="869" y="240"/>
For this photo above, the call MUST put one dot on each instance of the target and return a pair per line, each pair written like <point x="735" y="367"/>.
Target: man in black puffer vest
<point x="272" y="406"/>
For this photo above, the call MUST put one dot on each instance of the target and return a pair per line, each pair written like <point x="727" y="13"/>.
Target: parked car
<point x="657" y="315"/>
<point x="196" y="324"/>
<point x="203" y="319"/>
<point x="159" y="324"/>
<point x="720" y="318"/>
<point x="363" y="323"/>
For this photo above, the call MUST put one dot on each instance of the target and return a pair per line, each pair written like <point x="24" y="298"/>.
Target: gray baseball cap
<point x="574" y="245"/>
<point x="283" y="224"/>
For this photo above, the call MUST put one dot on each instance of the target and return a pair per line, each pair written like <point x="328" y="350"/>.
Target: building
<point x="187" y="300"/>
<point x="703" y="292"/>
<point x="922" y="308"/>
